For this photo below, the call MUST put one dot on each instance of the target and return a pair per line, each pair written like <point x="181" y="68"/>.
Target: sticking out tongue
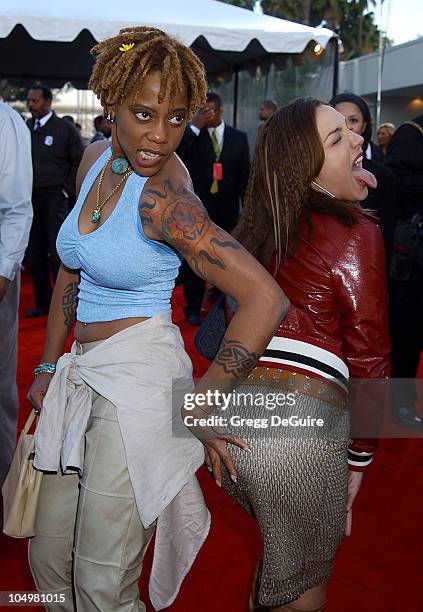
<point x="365" y="177"/>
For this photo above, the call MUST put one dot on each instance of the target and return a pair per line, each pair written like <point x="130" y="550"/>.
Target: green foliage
<point x="247" y="4"/>
<point x="11" y="92"/>
<point x="292" y="10"/>
<point x="351" y="19"/>
<point x="358" y="31"/>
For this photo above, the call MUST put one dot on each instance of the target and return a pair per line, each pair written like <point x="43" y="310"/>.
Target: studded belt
<point x="318" y="388"/>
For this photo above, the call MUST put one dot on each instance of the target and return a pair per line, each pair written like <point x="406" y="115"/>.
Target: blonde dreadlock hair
<point x="118" y="73"/>
<point x="288" y="157"/>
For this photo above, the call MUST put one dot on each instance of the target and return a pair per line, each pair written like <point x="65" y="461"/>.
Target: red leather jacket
<point x="336" y="283"/>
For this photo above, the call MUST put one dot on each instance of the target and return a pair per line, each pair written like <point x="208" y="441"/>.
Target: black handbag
<point x="210" y="335"/>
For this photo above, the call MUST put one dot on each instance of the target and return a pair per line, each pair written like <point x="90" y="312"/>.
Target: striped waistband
<point x="286" y="352"/>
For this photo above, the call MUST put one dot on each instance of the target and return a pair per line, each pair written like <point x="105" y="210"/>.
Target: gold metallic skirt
<point x="294" y="482"/>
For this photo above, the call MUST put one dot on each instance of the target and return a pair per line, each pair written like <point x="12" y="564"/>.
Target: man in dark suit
<point x="218" y="160"/>
<point x="56" y="152"/>
<point x="102" y="128"/>
<point x="267" y="109"/>
<point x="405" y="159"/>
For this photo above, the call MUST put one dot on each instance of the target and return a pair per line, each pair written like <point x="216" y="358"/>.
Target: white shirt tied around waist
<point x="135" y="370"/>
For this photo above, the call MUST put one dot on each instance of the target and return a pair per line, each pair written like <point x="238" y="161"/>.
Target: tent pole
<point x="380" y="69"/>
<point x="335" y="67"/>
<point x="236" y="85"/>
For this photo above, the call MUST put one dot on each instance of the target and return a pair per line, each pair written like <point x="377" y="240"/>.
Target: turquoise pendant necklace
<point x="120" y="165"/>
<point x="96" y="213"/>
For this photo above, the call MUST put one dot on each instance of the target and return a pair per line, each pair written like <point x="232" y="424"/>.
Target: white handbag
<point x="21" y="488"/>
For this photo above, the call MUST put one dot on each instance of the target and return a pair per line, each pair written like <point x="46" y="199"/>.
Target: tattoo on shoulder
<point x="69" y="300"/>
<point x="236" y="359"/>
<point x="182" y="221"/>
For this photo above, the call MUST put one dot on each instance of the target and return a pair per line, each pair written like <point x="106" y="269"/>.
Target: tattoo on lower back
<point x="182" y="221"/>
<point x="235" y="358"/>
<point x="69" y="300"/>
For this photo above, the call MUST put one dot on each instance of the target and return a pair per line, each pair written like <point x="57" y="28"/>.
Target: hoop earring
<point x="109" y="117"/>
<point x="320" y="188"/>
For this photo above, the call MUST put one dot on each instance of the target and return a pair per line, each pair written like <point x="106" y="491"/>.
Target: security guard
<point x="56" y="152"/>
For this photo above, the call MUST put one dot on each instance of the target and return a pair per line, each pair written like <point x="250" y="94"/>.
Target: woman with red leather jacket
<point x="302" y="218"/>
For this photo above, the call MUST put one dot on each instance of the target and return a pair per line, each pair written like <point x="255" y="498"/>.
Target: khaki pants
<point x="90" y="541"/>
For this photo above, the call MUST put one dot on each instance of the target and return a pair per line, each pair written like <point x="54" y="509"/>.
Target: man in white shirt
<point x="15" y="225"/>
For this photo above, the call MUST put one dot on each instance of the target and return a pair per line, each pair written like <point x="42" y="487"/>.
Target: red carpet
<point x="378" y="568"/>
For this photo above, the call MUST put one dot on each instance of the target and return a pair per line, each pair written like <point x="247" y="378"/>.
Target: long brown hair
<point x="288" y="157"/>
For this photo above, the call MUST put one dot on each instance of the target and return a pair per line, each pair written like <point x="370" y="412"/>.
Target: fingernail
<point x="219" y="484"/>
<point x="247" y="449"/>
<point x="209" y="468"/>
<point x="233" y="478"/>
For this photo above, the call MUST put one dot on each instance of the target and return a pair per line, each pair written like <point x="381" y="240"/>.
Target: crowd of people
<point x="307" y="240"/>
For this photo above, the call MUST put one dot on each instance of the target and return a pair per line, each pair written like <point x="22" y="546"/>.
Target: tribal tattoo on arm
<point x="69" y="301"/>
<point x="179" y="218"/>
<point x="235" y="359"/>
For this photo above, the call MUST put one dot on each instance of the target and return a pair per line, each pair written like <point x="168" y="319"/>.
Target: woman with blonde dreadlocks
<point x="303" y="220"/>
<point x="110" y="432"/>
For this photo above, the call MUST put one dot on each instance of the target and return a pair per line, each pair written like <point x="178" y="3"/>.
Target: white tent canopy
<point x="50" y="40"/>
<point x="225" y="27"/>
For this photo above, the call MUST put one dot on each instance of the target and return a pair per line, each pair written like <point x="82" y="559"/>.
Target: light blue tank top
<point x="123" y="273"/>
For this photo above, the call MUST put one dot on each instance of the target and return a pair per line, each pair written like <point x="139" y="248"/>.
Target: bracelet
<point x="50" y="368"/>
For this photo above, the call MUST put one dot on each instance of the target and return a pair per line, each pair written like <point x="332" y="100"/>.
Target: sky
<point x="402" y="19"/>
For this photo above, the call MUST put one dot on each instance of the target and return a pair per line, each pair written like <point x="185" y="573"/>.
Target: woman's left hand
<point x="354" y="483"/>
<point x="216" y="453"/>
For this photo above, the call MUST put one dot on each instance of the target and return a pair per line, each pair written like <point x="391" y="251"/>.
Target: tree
<point x="363" y="10"/>
<point x="11" y="92"/>
<point x="292" y="10"/>
<point x="247" y="4"/>
<point x="357" y="29"/>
